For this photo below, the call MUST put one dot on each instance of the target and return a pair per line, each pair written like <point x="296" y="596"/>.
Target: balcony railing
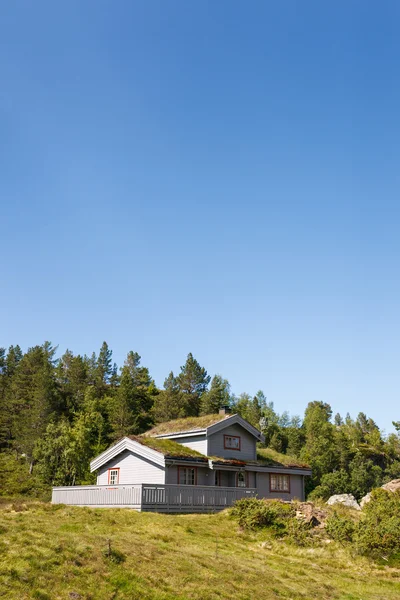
<point x="149" y="497"/>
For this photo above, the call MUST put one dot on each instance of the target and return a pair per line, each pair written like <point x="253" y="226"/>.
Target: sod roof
<point x="267" y="457"/>
<point x="187" y="424"/>
<point x="169" y="448"/>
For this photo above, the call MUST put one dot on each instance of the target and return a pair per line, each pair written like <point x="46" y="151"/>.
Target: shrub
<point x="378" y="532"/>
<point x="252" y="513"/>
<point x="340" y="528"/>
<point x="299" y="532"/>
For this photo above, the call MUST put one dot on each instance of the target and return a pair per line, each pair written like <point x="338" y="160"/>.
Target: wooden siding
<point x="247" y="444"/>
<point x="195" y="442"/>
<point x="154" y="498"/>
<point x="204" y="475"/>
<point x="296" y="487"/>
<point x="133" y="469"/>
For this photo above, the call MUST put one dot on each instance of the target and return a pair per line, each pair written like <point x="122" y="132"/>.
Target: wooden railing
<point x="148" y="497"/>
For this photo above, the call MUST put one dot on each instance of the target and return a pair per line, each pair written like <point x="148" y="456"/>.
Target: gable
<point x="127" y="444"/>
<point x="236" y="420"/>
<point x="233" y="442"/>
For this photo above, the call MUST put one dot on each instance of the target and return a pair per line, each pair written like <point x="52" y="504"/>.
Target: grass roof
<point x="169" y="448"/>
<point x="187" y="424"/>
<point x="271" y="458"/>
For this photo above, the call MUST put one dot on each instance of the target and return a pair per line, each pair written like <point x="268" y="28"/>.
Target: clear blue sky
<point x="219" y="178"/>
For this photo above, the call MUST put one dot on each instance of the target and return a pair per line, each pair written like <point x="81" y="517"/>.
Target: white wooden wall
<point x="195" y="442"/>
<point x="133" y="469"/>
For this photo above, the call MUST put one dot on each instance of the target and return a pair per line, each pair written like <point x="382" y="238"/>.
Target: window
<point x="279" y="483"/>
<point x="232" y="442"/>
<point x="187" y="475"/>
<point x="113" y="476"/>
<point x="217" y="480"/>
<point x="241" y="479"/>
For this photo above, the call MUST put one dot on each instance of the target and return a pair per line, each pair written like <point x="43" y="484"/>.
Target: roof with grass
<point x="169" y="448"/>
<point x="267" y="457"/>
<point x="188" y="424"/>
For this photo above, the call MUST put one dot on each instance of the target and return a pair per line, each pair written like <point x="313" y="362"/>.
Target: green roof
<point x="187" y="424"/>
<point x="267" y="457"/>
<point x="168" y="448"/>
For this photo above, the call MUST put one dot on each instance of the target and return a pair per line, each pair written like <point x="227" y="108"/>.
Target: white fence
<point x="148" y="497"/>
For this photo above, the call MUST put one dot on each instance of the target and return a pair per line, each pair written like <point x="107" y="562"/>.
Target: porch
<point x="168" y="498"/>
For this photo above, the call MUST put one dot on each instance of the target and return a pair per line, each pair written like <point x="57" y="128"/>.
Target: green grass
<point x="169" y="447"/>
<point x="273" y="458"/>
<point x="186" y="424"/>
<point x="62" y="553"/>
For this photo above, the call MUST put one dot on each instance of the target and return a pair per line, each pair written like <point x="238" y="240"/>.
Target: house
<point x="187" y="465"/>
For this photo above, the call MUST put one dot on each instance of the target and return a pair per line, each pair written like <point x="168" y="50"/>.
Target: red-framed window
<point x="279" y="483"/>
<point x="113" y="476"/>
<point x="187" y="475"/>
<point x="242" y="479"/>
<point x="232" y="442"/>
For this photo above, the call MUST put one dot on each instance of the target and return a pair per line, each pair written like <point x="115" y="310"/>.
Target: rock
<point x="307" y="512"/>
<point x="345" y="500"/>
<point x="391" y="486"/>
<point x="365" y="500"/>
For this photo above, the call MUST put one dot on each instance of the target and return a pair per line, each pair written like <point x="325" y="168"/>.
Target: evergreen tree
<point x="72" y="378"/>
<point x="132" y="404"/>
<point x="33" y="397"/>
<point x="217" y="396"/>
<point x="193" y="381"/>
<point x="170" y="403"/>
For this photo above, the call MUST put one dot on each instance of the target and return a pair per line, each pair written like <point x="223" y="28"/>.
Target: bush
<point x="340" y="528"/>
<point x="252" y="513"/>
<point x="299" y="532"/>
<point x="378" y="533"/>
<point x="17" y="481"/>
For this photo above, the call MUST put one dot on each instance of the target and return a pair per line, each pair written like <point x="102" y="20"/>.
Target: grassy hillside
<point x="62" y="552"/>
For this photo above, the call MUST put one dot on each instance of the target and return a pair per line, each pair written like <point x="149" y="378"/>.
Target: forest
<point x="57" y="413"/>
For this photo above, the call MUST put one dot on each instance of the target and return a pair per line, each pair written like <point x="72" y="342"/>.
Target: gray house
<point x="187" y="465"/>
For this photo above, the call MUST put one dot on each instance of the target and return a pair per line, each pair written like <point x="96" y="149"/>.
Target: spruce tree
<point x="217" y="396"/>
<point x="192" y="381"/>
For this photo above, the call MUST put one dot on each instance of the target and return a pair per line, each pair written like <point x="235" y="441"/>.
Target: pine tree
<point x="104" y="368"/>
<point x="34" y="397"/>
<point x="170" y="403"/>
<point x="193" y="381"/>
<point x="217" y="396"/>
<point x="72" y="378"/>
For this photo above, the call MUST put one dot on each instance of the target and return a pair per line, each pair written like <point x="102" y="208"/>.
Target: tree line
<point x="57" y="413"/>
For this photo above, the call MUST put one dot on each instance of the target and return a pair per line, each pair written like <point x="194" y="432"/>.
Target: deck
<point x="166" y="498"/>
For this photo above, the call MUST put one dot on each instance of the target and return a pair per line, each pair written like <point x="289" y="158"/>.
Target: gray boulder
<point x="345" y="500"/>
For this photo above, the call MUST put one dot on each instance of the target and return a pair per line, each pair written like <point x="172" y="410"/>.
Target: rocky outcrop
<point x="345" y="500"/>
<point x="309" y="513"/>
<point x="391" y="486"/>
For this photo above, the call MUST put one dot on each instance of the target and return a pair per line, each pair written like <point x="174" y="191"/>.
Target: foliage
<point x="252" y="513"/>
<point x="16" y="479"/>
<point x="340" y="527"/>
<point x="56" y="414"/>
<point x="378" y="532"/>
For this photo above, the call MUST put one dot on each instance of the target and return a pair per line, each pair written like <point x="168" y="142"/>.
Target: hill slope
<point x="62" y="553"/>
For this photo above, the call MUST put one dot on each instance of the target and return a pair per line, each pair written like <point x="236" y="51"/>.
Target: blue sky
<point x="218" y="178"/>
